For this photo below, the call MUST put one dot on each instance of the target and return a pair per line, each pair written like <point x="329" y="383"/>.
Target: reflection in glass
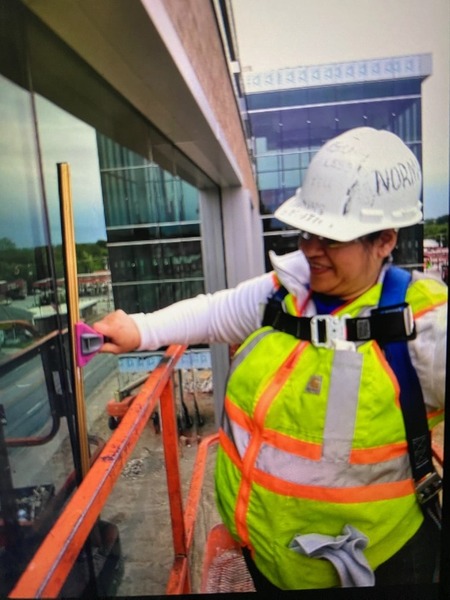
<point x="153" y="227"/>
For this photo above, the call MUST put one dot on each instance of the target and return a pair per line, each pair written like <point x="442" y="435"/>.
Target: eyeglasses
<point x="305" y="237"/>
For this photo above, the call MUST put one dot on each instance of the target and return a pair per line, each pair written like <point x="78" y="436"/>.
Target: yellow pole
<point x="73" y="315"/>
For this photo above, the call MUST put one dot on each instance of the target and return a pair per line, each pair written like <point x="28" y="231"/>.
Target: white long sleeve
<point x="226" y="316"/>
<point x="429" y="355"/>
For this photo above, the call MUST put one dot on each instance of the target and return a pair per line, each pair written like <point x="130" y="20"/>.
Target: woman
<point x="313" y="475"/>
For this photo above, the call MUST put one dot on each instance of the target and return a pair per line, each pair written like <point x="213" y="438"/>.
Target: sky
<point x="63" y="139"/>
<point x="274" y="34"/>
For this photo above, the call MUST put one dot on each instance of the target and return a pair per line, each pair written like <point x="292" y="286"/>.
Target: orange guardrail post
<point x="172" y="460"/>
<point x="179" y="578"/>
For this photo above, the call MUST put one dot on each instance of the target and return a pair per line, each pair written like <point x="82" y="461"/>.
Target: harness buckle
<point x="332" y="329"/>
<point x="401" y="324"/>
<point x="408" y="319"/>
<point x="428" y="487"/>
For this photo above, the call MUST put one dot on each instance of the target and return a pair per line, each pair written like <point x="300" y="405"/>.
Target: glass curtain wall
<point x="146" y="210"/>
<point x="288" y="127"/>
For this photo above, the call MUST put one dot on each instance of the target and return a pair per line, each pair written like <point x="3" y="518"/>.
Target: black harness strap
<point x="428" y="482"/>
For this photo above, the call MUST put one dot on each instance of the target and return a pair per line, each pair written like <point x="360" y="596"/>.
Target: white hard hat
<point x="361" y="181"/>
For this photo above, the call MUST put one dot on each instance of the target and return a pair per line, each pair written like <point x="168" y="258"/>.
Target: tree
<point x="6" y="244"/>
<point x="437" y="229"/>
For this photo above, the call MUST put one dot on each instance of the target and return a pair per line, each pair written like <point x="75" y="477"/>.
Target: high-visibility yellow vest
<point x="313" y="439"/>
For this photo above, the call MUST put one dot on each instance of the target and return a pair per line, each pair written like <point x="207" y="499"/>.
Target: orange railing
<point x="48" y="570"/>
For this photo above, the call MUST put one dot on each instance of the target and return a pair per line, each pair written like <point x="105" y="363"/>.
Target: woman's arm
<point x="226" y="316"/>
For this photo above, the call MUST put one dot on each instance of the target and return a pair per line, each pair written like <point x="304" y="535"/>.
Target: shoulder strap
<point x="428" y="483"/>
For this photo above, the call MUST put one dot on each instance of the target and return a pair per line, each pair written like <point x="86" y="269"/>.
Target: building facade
<point x="164" y="201"/>
<point x="292" y="112"/>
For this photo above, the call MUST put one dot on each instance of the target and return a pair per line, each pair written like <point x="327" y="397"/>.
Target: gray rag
<point x="344" y="551"/>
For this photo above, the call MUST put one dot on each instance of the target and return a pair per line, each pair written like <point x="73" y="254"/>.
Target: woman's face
<point x="349" y="269"/>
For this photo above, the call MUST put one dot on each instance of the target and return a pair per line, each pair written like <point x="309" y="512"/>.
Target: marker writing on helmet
<point x="398" y="177"/>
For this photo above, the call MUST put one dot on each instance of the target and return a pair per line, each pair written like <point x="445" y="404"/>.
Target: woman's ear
<point x="386" y="242"/>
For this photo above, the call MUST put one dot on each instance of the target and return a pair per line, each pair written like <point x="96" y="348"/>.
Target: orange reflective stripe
<point x="298" y="447"/>
<point x="348" y="495"/>
<point x="301" y="309"/>
<point x="389" y="371"/>
<point x="423" y="311"/>
<point x="237" y="415"/>
<point x="248" y="462"/>
<point x="363" y="456"/>
<point x="433" y="414"/>
<point x="310" y="450"/>
<point x="230" y="449"/>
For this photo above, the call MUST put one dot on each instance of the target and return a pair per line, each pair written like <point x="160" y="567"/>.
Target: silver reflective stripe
<point x="242" y="354"/>
<point x="329" y="473"/>
<point x="237" y="434"/>
<point x="241" y="439"/>
<point x="342" y="405"/>
<point x="325" y="472"/>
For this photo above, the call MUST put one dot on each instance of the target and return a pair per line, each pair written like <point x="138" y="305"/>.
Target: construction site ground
<point x="139" y="504"/>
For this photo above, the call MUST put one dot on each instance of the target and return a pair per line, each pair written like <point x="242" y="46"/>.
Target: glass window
<point x="267" y="181"/>
<point x="34" y="404"/>
<point x="291" y="160"/>
<point x="145" y="207"/>
<point x="291" y="179"/>
<point x="267" y="163"/>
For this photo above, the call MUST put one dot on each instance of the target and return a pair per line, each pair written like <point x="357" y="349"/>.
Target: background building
<point x="292" y="112"/>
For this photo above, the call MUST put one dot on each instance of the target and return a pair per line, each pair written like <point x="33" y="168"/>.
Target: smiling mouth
<point x="317" y="268"/>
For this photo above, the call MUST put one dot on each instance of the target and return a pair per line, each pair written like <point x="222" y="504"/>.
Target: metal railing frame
<point x="46" y="573"/>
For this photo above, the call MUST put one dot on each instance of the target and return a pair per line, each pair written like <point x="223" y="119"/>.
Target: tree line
<point x="33" y="264"/>
<point x="437" y="229"/>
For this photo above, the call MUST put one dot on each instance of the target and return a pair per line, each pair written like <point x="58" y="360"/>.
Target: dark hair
<point x="370" y="239"/>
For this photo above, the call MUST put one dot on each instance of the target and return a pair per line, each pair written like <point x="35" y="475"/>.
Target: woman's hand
<point x="120" y="331"/>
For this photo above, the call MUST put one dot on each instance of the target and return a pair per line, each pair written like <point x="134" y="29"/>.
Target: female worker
<point x="313" y="475"/>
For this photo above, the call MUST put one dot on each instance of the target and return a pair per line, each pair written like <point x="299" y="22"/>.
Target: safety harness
<point x="391" y="325"/>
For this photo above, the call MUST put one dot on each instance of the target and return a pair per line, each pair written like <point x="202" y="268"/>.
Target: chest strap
<point x="385" y="324"/>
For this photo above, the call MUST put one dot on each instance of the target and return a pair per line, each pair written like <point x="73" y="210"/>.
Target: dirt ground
<point x="139" y="504"/>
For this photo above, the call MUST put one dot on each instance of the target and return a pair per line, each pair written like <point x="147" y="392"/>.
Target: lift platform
<point x="223" y="568"/>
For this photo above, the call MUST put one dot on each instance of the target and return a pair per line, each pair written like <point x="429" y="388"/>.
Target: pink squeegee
<point x="88" y="343"/>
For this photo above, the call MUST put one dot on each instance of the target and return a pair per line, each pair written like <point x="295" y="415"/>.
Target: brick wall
<point x="196" y="25"/>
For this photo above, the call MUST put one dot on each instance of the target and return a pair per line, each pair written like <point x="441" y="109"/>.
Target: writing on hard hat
<point x="361" y="181"/>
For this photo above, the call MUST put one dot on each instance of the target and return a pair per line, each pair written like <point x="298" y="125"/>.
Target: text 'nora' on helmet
<point x="363" y="180"/>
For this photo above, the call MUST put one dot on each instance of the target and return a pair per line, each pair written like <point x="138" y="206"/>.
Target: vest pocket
<point x="292" y="571"/>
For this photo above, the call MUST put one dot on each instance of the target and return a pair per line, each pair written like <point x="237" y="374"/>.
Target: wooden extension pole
<point x="73" y="314"/>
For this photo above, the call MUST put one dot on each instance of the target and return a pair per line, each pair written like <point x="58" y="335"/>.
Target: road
<point x="23" y="393"/>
